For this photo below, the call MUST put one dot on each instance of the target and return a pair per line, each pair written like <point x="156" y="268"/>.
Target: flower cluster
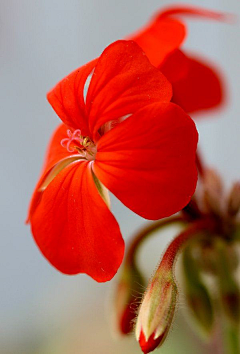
<point x="126" y="129"/>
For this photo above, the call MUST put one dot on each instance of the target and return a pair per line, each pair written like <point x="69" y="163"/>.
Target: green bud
<point x="228" y="288"/>
<point x="156" y="311"/>
<point x="212" y="192"/>
<point x="233" y="206"/>
<point x="197" y="295"/>
<point x="129" y="286"/>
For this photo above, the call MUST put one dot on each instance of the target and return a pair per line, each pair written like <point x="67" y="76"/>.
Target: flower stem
<point x="173" y="249"/>
<point x="141" y="236"/>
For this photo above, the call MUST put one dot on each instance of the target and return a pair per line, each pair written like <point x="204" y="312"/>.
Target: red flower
<point x="127" y="135"/>
<point x="197" y="85"/>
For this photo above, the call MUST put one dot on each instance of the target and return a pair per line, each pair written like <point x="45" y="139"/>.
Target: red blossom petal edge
<point x="55" y="153"/>
<point x="197" y="85"/>
<point x="166" y="32"/>
<point x="123" y="81"/>
<point x="200" y="89"/>
<point x="145" y="156"/>
<point x="151" y="344"/>
<point x="159" y="38"/>
<point x="74" y="228"/>
<point x="148" y="161"/>
<point x="194" y="11"/>
<point x="67" y="98"/>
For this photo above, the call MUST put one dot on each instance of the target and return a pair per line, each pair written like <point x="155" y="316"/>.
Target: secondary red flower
<point x="197" y="85"/>
<point x="123" y="135"/>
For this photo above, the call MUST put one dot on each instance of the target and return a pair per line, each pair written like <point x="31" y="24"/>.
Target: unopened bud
<point x="205" y="254"/>
<point x="231" y="302"/>
<point x="151" y="344"/>
<point x="228" y="288"/>
<point x="156" y="311"/>
<point x="200" y="304"/>
<point x="129" y="286"/>
<point x="196" y="293"/>
<point x="234" y="200"/>
<point x="213" y="192"/>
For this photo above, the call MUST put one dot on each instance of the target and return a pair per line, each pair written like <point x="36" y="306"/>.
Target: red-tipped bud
<point x="129" y="287"/>
<point x="156" y="311"/>
<point x="151" y="344"/>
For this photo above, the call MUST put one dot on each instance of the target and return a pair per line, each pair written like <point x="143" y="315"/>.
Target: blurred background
<point x="41" y="310"/>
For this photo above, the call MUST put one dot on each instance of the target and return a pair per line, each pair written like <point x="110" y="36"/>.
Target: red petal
<point x="200" y="88"/>
<point x="159" y="38"/>
<point x="55" y="153"/>
<point x="149" y="345"/>
<point x="193" y="11"/>
<point x="123" y="81"/>
<point x="165" y="32"/>
<point x="74" y="228"/>
<point x="67" y="98"/>
<point x="148" y="161"/>
<point x="175" y="66"/>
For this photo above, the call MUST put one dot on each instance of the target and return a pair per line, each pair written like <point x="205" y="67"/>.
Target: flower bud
<point x="230" y="297"/>
<point x="129" y="286"/>
<point x="234" y="200"/>
<point x="156" y="311"/>
<point x="213" y="192"/>
<point x="197" y="296"/>
<point x="228" y="288"/>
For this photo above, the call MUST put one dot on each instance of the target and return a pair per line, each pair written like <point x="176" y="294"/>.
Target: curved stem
<point x="148" y="231"/>
<point x="169" y="256"/>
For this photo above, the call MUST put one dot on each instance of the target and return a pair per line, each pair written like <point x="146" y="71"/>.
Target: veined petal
<point x="122" y="82"/>
<point x="67" y="98"/>
<point x="148" y="161"/>
<point x="200" y="88"/>
<point x="57" y="157"/>
<point x="74" y="228"/>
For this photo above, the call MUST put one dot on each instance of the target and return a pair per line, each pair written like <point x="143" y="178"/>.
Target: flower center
<point x="83" y="145"/>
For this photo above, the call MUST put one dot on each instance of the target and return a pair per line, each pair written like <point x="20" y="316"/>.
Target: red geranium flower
<point x="123" y="135"/>
<point x="197" y="85"/>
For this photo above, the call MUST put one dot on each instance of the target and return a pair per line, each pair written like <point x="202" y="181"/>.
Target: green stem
<point x="231" y="338"/>
<point x="229" y="302"/>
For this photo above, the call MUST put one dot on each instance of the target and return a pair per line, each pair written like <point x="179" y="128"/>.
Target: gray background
<point x="41" y="310"/>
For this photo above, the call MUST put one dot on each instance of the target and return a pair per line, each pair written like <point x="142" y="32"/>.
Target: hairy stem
<point x="148" y="231"/>
<point x="175" y="246"/>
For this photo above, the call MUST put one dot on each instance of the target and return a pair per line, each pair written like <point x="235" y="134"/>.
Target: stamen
<point x="75" y="136"/>
<point x="87" y="148"/>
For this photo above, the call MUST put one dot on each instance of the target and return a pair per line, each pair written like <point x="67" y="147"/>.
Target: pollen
<point x="83" y="145"/>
